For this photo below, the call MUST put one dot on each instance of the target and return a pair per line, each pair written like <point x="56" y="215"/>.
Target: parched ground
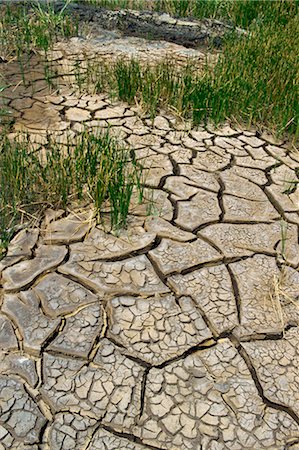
<point x="179" y="333"/>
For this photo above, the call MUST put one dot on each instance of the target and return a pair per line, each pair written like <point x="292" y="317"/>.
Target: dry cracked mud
<point x="179" y="333"/>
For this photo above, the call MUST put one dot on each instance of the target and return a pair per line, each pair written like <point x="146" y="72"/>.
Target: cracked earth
<point x="182" y="331"/>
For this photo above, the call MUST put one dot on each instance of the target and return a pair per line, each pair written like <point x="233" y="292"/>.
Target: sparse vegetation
<point x="24" y="30"/>
<point x="255" y="80"/>
<point x="242" y="13"/>
<point x="97" y="168"/>
<point x="252" y="82"/>
<point x="181" y="328"/>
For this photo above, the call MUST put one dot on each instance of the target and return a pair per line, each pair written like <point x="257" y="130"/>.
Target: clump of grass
<point x="96" y="167"/>
<point x="152" y="86"/>
<point x="254" y="81"/>
<point x="242" y="13"/>
<point x="23" y="30"/>
<point x="119" y="4"/>
<point x="255" y="78"/>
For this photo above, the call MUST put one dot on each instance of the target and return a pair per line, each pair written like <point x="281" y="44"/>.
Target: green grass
<point x="23" y="32"/>
<point x="151" y="86"/>
<point x="254" y="82"/>
<point x="241" y="13"/>
<point x="97" y="168"/>
<point x="256" y="78"/>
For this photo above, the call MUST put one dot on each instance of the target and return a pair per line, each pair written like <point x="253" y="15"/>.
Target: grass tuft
<point x="252" y="82"/>
<point x="255" y="80"/>
<point x="23" y="30"/>
<point x="241" y="13"/>
<point x="96" y="167"/>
